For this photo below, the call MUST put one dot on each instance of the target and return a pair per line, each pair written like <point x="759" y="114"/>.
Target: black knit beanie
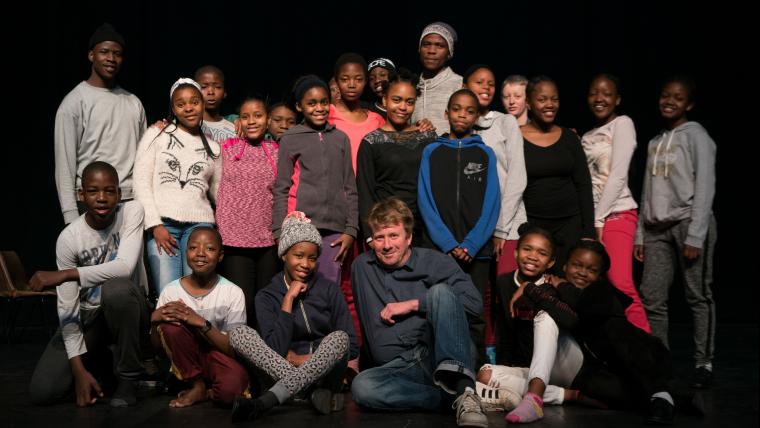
<point x="105" y="33"/>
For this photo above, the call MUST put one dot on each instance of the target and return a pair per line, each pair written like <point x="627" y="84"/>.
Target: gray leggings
<point x="330" y="354"/>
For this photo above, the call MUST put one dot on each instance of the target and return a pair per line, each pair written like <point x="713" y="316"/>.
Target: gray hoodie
<point x="502" y="133"/>
<point x="679" y="183"/>
<point x="434" y="97"/>
<point x="315" y="175"/>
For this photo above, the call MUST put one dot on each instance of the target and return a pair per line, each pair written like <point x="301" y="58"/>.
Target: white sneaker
<point x="470" y="410"/>
<point x="496" y="399"/>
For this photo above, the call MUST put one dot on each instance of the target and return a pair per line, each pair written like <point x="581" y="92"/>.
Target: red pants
<point x="192" y="357"/>
<point x="617" y="237"/>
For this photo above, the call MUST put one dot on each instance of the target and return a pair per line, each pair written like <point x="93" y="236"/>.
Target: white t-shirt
<point x="223" y="306"/>
<point x="219" y="131"/>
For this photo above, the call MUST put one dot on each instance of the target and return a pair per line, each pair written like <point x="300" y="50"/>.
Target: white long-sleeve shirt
<point x="98" y="255"/>
<point x="609" y="149"/>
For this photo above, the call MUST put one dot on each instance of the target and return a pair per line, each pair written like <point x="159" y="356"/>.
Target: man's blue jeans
<point x="425" y="377"/>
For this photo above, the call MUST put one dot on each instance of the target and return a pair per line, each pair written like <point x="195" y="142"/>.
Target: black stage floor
<point x="732" y="402"/>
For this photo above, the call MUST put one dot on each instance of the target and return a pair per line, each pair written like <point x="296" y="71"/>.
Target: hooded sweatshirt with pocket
<point x="679" y="182"/>
<point x="434" y="97"/>
<point x="315" y="176"/>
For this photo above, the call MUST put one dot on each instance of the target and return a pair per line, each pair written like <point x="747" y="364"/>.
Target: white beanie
<point x="444" y="30"/>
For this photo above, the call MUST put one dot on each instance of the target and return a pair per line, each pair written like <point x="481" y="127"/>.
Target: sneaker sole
<point x="338" y="402"/>
<point x="322" y="401"/>
<point x="483" y="424"/>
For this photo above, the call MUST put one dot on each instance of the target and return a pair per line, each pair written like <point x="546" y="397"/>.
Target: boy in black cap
<point x="380" y="71"/>
<point x="97" y="121"/>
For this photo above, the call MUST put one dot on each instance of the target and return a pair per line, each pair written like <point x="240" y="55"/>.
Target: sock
<point x="268" y="400"/>
<point x="664" y="395"/>
<point x="464" y="383"/>
<point x="530" y="409"/>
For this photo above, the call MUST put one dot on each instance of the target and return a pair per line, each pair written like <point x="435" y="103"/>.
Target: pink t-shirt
<point x="244" y="201"/>
<point x="355" y="131"/>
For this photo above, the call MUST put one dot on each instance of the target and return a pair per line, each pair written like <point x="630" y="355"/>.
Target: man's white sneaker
<point x="469" y="410"/>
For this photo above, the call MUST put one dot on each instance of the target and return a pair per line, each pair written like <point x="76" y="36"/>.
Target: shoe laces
<point x="469" y="402"/>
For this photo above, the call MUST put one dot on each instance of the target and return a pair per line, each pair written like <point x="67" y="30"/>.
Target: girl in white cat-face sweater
<point x="177" y="169"/>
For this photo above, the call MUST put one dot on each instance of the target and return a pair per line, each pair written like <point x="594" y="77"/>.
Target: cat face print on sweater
<point x="183" y="166"/>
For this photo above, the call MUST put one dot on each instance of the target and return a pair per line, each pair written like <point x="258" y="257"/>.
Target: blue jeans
<point x="165" y="268"/>
<point x="426" y="377"/>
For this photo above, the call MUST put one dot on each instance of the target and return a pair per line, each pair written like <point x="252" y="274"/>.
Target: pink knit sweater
<point x="244" y="201"/>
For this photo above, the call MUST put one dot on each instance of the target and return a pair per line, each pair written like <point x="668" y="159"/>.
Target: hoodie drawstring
<point x="657" y="153"/>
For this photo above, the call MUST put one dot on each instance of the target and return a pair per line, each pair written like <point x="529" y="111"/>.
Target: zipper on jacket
<point x="459" y="168"/>
<point x="308" y="327"/>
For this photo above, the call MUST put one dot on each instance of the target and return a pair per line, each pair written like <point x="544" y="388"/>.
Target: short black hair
<point x="687" y="82"/>
<point x="210" y="229"/>
<point x="594" y="247"/>
<point x="279" y="104"/>
<point x="305" y="84"/>
<point x="402" y="75"/>
<point x="254" y="99"/>
<point x="99" y="166"/>
<point x="463" y="91"/>
<point x="526" y="229"/>
<point x="612" y="78"/>
<point x="350" y="58"/>
<point x="209" y="69"/>
<point x="470" y="71"/>
<point x="535" y="82"/>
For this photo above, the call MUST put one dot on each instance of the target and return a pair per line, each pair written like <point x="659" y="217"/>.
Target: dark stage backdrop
<point x="262" y="46"/>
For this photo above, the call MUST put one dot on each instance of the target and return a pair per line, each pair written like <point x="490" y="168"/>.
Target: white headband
<point x="182" y="81"/>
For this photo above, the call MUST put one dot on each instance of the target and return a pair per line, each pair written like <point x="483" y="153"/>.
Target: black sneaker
<point x="701" y="378"/>
<point x="661" y="412"/>
<point x="125" y="394"/>
<point x="244" y="409"/>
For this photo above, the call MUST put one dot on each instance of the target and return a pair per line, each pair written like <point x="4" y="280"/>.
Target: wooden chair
<point x="14" y="291"/>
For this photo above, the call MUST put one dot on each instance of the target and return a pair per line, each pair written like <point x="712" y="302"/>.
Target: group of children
<point x="252" y="225"/>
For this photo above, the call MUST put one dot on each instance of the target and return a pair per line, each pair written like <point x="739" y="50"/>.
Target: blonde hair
<point x="391" y="211"/>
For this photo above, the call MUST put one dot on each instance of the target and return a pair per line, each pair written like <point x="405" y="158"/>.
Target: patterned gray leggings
<point x="290" y="379"/>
